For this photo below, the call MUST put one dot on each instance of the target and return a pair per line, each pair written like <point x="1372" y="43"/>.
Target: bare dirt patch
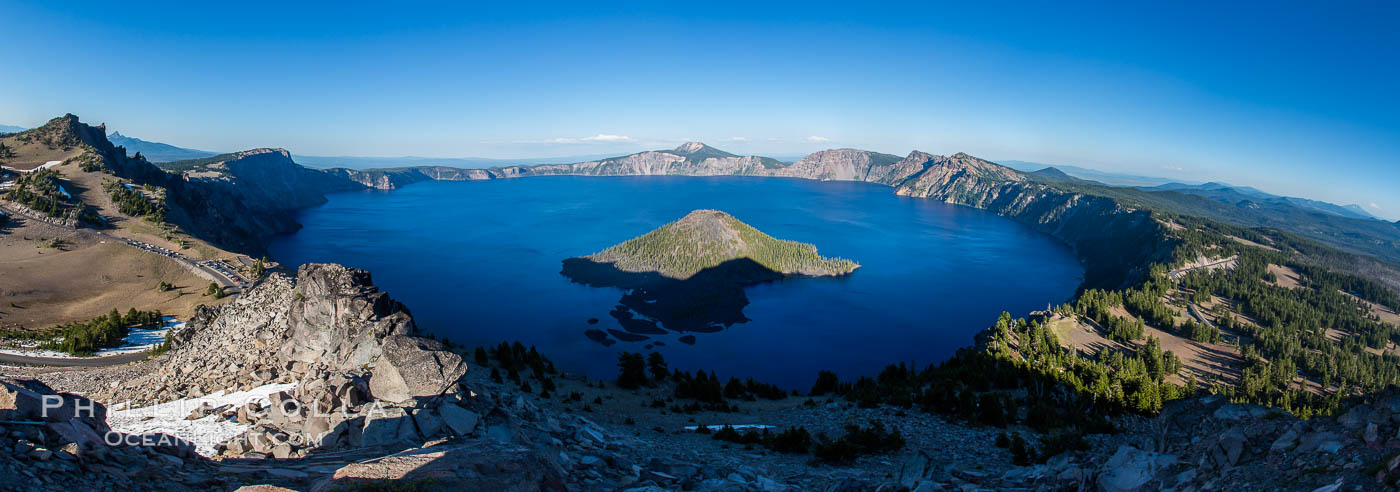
<point x="1083" y="336"/>
<point x="1209" y="363"/>
<point x="1251" y="243"/>
<point x="1385" y="314"/>
<point x="35" y="153"/>
<point x="1285" y="277"/>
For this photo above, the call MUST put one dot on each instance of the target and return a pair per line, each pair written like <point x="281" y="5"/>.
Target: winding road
<point x="72" y="362"/>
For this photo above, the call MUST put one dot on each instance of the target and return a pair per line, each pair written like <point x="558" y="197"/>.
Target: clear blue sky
<point x="1294" y="99"/>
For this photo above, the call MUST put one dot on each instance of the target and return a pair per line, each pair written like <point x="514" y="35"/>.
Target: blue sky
<point x="1296" y="99"/>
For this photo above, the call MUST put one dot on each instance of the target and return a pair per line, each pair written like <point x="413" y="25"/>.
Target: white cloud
<point x="1373" y="205"/>
<point x="603" y="137"/>
<point x="1174" y="168"/>
<point x="817" y="139"/>
<point x="738" y="139"/>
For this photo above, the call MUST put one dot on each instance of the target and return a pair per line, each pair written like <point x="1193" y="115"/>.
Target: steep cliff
<point x="266" y="179"/>
<point x="690" y="159"/>
<point x="241" y="200"/>
<point x="838" y="164"/>
<point x="1115" y="244"/>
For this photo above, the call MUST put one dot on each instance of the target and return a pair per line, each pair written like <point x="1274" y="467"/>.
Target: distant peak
<point x="116" y="134"/>
<point x="692" y="147"/>
<point x="700" y="150"/>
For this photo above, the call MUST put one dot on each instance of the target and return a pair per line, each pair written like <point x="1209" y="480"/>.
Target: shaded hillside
<point x="245" y="198"/>
<point x="236" y="202"/>
<point x="1366" y="236"/>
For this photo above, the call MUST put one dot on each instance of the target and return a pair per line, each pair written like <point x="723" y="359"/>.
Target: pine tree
<point x="657" y="364"/>
<point x="632" y="370"/>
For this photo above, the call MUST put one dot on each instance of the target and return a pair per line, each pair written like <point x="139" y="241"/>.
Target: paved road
<point x="72" y="362"/>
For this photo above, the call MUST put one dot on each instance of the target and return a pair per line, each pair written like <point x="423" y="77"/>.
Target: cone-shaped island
<point x="689" y="275"/>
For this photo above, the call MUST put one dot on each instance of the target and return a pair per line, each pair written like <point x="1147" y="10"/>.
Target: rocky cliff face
<point x="838" y="164"/>
<point x="268" y="180"/>
<point x="243" y="201"/>
<point x="1113" y="243"/>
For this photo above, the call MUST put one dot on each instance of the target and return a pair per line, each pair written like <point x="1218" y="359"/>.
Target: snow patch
<point x="141" y="340"/>
<point x="732" y="426"/>
<point x="138" y="340"/>
<point x="204" y="433"/>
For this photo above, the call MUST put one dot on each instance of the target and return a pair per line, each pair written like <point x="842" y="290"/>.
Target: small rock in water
<point x="627" y="337"/>
<point x="599" y="336"/>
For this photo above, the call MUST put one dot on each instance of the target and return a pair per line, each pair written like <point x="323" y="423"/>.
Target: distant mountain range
<point x="11" y="129"/>
<point x="163" y="152"/>
<point x="329" y="162"/>
<point x="1105" y="177"/>
<point x="1226" y="193"/>
<point x="156" y="151"/>
<point x="1222" y="192"/>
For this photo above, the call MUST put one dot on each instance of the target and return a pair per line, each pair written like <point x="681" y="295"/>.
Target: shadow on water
<point x="652" y="304"/>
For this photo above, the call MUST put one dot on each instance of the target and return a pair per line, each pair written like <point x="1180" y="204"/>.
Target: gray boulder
<point x="428" y="422"/>
<point x="413" y="366"/>
<point x="387" y="425"/>
<point x="1131" y="468"/>
<point x="460" y="420"/>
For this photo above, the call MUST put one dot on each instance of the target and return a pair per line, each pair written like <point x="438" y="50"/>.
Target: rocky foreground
<point x="358" y="397"/>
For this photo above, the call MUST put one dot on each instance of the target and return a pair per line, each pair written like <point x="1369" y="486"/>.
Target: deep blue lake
<point x="478" y="262"/>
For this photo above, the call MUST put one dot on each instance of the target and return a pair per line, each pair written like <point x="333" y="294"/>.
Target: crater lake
<point x="478" y="262"/>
